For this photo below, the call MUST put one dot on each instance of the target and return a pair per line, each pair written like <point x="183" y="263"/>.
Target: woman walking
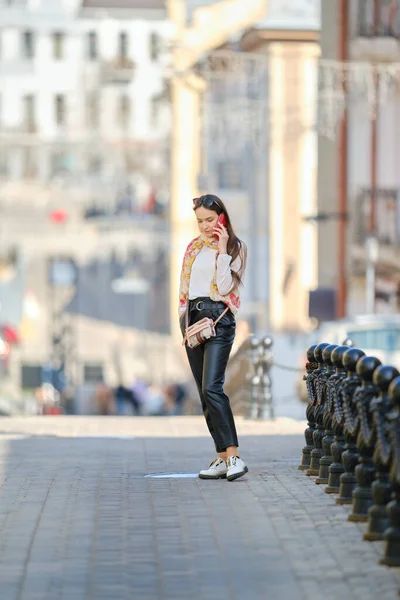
<point x="212" y="271"/>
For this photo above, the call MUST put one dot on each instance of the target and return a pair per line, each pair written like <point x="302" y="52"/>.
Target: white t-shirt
<point x="203" y="269"/>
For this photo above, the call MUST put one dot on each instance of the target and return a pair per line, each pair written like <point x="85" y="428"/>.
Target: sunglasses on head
<point x="206" y="201"/>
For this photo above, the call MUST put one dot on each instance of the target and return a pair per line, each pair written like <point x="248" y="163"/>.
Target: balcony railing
<point x="28" y="127"/>
<point x="119" y="71"/>
<point x="379" y="18"/>
<point x="386" y="220"/>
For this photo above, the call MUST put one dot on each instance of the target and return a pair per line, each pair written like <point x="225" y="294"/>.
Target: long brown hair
<point x="235" y="247"/>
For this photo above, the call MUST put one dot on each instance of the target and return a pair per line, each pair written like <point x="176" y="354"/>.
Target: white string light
<point x="235" y="101"/>
<point x="236" y="104"/>
<point x="361" y="85"/>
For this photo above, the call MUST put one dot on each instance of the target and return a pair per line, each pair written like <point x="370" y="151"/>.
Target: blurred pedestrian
<point x="180" y="397"/>
<point x="175" y="395"/>
<point x="125" y="398"/>
<point x="155" y="401"/>
<point x="104" y="400"/>
<point x="212" y="271"/>
<point x="140" y="390"/>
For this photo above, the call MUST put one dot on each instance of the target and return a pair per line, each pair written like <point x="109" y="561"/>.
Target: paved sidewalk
<point x="81" y="519"/>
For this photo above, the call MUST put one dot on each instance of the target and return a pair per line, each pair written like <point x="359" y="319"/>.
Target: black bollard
<point x="391" y="536"/>
<point x="378" y="518"/>
<point x="311" y="368"/>
<point x="319" y="433"/>
<point x="338" y="446"/>
<point x="350" y="455"/>
<point x="365" y="470"/>
<point x="326" y="460"/>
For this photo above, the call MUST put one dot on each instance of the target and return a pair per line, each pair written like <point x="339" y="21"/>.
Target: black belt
<point x="205" y="304"/>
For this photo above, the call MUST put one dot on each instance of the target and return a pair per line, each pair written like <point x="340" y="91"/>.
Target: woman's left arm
<point x="225" y="266"/>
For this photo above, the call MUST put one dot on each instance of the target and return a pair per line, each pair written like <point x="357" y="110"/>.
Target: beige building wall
<point x="292" y="172"/>
<point x="328" y="167"/>
<point x="292" y="186"/>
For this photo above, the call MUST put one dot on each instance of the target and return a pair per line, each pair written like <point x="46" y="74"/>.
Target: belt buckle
<point x="197" y="304"/>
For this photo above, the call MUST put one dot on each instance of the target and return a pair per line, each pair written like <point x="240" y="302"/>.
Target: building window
<point x="93" y="110"/>
<point x="29" y="163"/>
<point x="93" y="50"/>
<point x="60" y="109"/>
<point x="229" y="175"/>
<point x="123" y="46"/>
<point x="154" y="46"/>
<point x="58" y="45"/>
<point x="386" y="204"/>
<point x="29" y="124"/>
<point x="378" y="18"/>
<point x="124" y="110"/>
<point x="28" y="44"/>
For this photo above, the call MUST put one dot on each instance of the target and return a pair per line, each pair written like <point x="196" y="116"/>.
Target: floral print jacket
<point x="193" y="249"/>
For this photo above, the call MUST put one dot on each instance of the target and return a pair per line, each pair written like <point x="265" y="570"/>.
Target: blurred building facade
<point x="84" y="98"/>
<point x="358" y="179"/>
<point x="259" y="153"/>
<point x="84" y="144"/>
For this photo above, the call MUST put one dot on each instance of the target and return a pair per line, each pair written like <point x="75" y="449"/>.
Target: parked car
<point x="376" y="335"/>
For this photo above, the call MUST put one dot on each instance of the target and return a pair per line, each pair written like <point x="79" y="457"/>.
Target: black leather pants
<point x="208" y="363"/>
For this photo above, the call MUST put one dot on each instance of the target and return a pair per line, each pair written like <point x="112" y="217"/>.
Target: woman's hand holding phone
<point x="222" y="234"/>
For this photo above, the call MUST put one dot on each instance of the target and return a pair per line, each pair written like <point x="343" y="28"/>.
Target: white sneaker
<point x="236" y="468"/>
<point x="217" y="470"/>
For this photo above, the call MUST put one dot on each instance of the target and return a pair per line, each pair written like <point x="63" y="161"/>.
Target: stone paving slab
<point x="81" y="518"/>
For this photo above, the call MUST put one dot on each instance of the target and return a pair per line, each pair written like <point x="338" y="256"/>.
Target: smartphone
<point x="221" y="221"/>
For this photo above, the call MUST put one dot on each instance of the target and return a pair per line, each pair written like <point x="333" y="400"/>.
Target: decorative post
<point x="391" y="536"/>
<point x="378" y="517"/>
<point x="351" y="422"/>
<point x="256" y="379"/>
<point x="318" y="435"/>
<point x="326" y="459"/>
<point x="365" y="470"/>
<point x="338" y="446"/>
<point x="309" y="378"/>
<point x="261" y="359"/>
<point x="267" y="408"/>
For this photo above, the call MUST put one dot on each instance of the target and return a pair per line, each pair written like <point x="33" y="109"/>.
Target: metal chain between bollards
<point x="286" y="368"/>
<point x="262" y="361"/>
